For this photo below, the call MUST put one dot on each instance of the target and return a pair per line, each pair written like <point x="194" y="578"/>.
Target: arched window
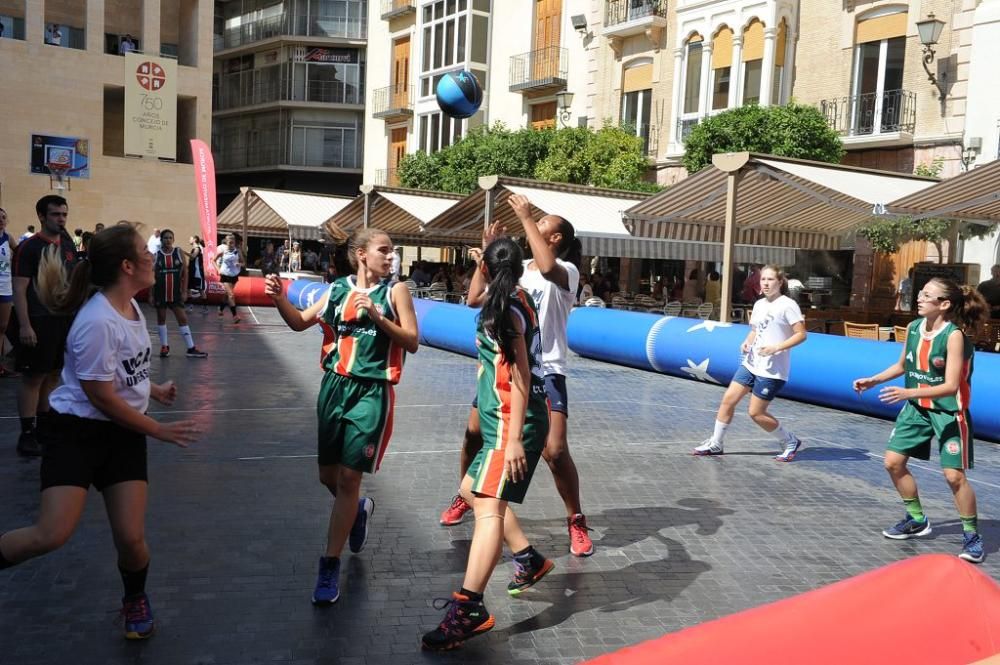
<point x="753" y="59"/>
<point x="722" y="61"/>
<point x="692" y="74"/>
<point x="879" y="56"/>
<point x="637" y="93"/>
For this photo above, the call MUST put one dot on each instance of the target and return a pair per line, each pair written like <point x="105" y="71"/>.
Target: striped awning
<point x="274" y="213"/>
<point x="402" y="213"/>
<point x="782" y="201"/>
<point x="682" y="250"/>
<point x="972" y="196"/>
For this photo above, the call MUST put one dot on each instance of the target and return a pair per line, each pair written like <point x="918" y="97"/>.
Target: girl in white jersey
<point x="229" y="259"/>
<point x="97" y="434"/>
<point x="551" y="278"/>
<point x="7" y="246"/>
<point x="776" y="326"/>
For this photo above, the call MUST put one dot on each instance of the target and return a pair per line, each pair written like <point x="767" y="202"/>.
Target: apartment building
<point x="289" y="83"/>
<point x="64" y="82"/>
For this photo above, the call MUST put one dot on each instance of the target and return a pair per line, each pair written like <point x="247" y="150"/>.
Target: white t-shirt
<point x="6" y="257"/>
<point x="230" y="260"/>
<point x="554" y="305"/>
<point x="772" y="321"/>
<point x="104" y="346"/>
<point x="586" y="293"/>
<point x="153" y="245"/>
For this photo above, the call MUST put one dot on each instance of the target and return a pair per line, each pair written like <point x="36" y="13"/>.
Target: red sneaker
<point x="454" y="513"/>
<point x="164" y="351"/>
<point x="580" y="543"/>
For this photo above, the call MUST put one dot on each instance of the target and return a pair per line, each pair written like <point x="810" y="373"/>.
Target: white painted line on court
<point x="255" y="320"/>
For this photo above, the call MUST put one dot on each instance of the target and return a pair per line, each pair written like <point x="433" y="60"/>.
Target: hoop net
<point x="58" y="176"/>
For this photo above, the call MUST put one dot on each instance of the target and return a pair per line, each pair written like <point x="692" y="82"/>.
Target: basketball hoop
<point x="58" y="176"/>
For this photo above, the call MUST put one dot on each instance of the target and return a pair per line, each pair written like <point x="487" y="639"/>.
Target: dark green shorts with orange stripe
<point x="916" y="426"/>
<point x="487" y="469"/>
<point x="355" y="421"/>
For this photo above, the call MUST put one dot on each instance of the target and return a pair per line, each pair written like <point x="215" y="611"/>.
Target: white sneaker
<point x="791" y="448"/>
<point x="708" y="447"/>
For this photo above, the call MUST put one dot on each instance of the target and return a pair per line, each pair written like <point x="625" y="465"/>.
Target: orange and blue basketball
<point x="459" y="94"/>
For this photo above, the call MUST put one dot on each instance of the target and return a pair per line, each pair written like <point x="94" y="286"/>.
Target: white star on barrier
<point x="709" y="325"/>
<point x="699" y="371"/>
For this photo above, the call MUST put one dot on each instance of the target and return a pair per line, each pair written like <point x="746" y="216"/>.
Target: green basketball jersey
<point x="353" y="345"/>
<point x="496" y="376"/>
<point x="925" y="359"/>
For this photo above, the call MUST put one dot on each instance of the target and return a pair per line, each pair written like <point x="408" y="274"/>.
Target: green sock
<point x="970" y="524"/>
<point x="914" y="509"/>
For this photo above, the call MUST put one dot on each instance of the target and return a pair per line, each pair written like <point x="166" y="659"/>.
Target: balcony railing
<point x="539" y="70"/>
<point x="263" y="87"/>
<point x="394" y="8"/>
<point x="623" y="11"/>
<point x="393" y="101"/>
<point x="871" y="114"/>
<point x="293" y="24"/>
<point x="387" y="177"/>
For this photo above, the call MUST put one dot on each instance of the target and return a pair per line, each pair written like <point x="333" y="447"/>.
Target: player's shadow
<point x="989" y="529"/>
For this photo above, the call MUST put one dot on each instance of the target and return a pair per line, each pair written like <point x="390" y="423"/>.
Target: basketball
<point x="459" y="94"/>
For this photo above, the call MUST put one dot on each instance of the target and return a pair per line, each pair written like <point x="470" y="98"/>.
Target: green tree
<point x="793" y="130"/>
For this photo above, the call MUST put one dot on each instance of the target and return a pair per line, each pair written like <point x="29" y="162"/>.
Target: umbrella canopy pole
<point x="731" y="164"/>
<point x="246" y="224"/>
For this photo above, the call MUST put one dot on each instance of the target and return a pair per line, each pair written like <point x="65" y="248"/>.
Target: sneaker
<point x="138" y="617"/>
<point x="221" y="312"/>
<point x="580" y="543"/>
<point x="327" y="589"/>
<point x="28" y="446"/>
<point x="454" y="513"/>
<point x="972" y="548"/>
<point x="359" y="532"/>
<point x="708" y="447"/>
<point x="908" y="528"/>
<point x="465" y="619"/>
<point x="788" y="454"/>
<point x="527" y="575"/>
<point x="164" y="351"/>
<point x="195" y="352"/>
<point x="236" y="319"/>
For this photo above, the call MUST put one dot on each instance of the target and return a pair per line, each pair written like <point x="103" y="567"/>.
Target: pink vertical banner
<point x="204" y="180"/>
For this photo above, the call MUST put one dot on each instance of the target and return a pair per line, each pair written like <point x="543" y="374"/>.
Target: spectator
<point x="27" y="234"/>
<point x="85" y="239"/>
<point x="295" y="258"/>
<point x="127" y="45"/>
<point x="904" y="294"/>
<point x="657" y="291"/>
<point x="269" y="261"/>
<point x="98" y="228"/>
<point x="751" y="287"/>
<point x="78" y="239"/>
<point x="692" y="289"/>
<point x="419" y="276"/>
<point x="53" y="36"/>
<point x="795" y="286"/>
<point x="153" y="244"/>
<point x="586" y="291"/>
<point x="990" y="289"/>
<point x="713" y="288"/>
<point x="331" y="274"/>
<point x="394" y="268"/>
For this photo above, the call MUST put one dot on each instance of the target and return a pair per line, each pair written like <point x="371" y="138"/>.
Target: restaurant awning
<point x="271" y="213"/>
<point x="973" y="196"/>
<point x="402" y="213"/>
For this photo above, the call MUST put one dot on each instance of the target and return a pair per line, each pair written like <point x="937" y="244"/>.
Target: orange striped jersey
<point x="353" y="345"/>
<point x="925" y="360"/>
<point x="495" y="383"/>
<point x="167" y="268"/>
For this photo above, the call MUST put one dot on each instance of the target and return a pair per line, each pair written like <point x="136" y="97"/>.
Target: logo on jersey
<point x="938" y="362"/>
<point x="137" y="368"/>
<point x="909" y="356"/>
<point x="766" y="391"/>
<point x="952" y="447"/>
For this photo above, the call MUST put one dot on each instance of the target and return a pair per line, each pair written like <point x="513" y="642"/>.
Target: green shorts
<point x="916" y="426"/>
<point x="355" y="421"/>
<point x="487" y="468"/>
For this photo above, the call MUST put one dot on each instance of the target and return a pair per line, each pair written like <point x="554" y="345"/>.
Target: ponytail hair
<point x="779" y="273"/>
<point x="968" y="307"/>
<point x="570" y="248"/>
<point x="101" y="268"/>
<point x="504" y="263"/>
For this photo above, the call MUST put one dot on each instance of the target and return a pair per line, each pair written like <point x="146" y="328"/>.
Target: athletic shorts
<point x="762" y="387"/>
<point x="158" y="304"/>
<point x="229" y="279"/>
<point x="46" y="356"/>
<point x="487" y="468"/>
<point x="916" y="426"/>
<point x="555" y="391"/>
<point x="6" y="299"/>
<point x="355" y="421"/>
<point x="80" y="452"/>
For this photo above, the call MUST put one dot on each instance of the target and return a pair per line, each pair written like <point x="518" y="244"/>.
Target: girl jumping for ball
<point x="170" y="292"/>
<point x="936" y="361"/>
<point x="514" y="421"/>
<point x="776" y="326"/>
<point x="369" y="324"/>
<point x="229" y="260"/>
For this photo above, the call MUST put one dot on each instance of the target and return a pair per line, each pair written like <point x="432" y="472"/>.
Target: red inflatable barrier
<point x="248" y="291"/>
<point x="933" y="609"/>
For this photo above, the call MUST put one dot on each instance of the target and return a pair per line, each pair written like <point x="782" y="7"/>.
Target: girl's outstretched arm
<point x="296" y="320"/>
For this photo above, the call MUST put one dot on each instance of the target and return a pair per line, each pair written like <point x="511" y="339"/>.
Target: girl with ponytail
<point x="936" y="361"/>
<point x="513" y="419"/>
<point x="98" y="426"/>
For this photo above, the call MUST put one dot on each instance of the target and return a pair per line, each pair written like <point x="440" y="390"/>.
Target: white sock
<point x="720" y="431"/>
<point x="188" y="337"/>
<point x="782" y="435"/>
<point x="163" y="334"/>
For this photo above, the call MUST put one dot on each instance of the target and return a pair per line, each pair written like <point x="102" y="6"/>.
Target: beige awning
<point x="272" y="213"/>
<point x="973" y="196"/>
<point x="400" y="212"/>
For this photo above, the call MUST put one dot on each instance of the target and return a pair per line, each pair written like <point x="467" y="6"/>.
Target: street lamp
<point x="564" y="100"/>
<point x="930" y="30"/>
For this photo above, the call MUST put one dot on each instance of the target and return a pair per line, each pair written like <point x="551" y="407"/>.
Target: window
<point x="439" y="131"/>
<point x="448" y="42"/>
<point x="178" y="30"/>
<point x="720" y="88"/>
<point x="543" y="116"/>
<point x="338" y="18"/>
<point x="692" y="77"/>
<point x="114" y="121"/>
<point x="635" y="114"/>
<point x="722" y="61"/>
<point x="331" y="75"/>
<point x="751" y="81"/>
<point x="64" y="21"/>
<point x="878" y="82"/>
<point x="753" y="60"/>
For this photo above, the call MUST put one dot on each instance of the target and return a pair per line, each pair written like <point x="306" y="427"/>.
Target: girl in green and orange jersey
<point x="369" y="324"/>
<point x="936" y="361"/>
<point x="514" y="420"/>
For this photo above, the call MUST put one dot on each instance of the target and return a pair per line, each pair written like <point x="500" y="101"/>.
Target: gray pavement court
<point x="237" y="521"/>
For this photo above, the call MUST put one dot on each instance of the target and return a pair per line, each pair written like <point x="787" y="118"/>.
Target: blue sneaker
<point x="908" y="528"/>
<point x="972" y="548"/>
<point x="327" y="589"/>
<point x="139" y="616"/>
<point x="359" y="532"/>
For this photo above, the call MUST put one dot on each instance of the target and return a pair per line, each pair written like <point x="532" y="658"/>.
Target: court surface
<point x="236" y="522"/>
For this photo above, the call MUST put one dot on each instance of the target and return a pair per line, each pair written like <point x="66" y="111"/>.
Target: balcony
<point x="392" y="103"/>
<point x="627" y="18"/>
<point x="871" y="120"/>
<point x="273" y="84"/>
<point x="395" y="8"/>
<point x="539" y="72"/>
<point x="387" y="177"/>
<point x="292" y="25"/>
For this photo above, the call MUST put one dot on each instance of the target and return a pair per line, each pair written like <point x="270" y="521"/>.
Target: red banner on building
<point x="204" y="180"/>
